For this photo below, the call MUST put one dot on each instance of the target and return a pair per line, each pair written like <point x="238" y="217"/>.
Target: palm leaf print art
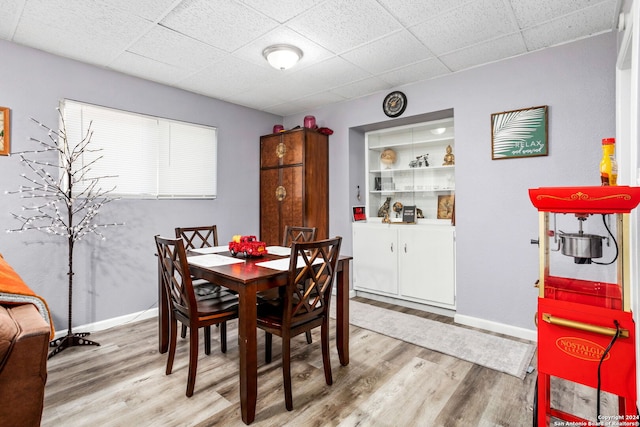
<point x="512" y="129"/>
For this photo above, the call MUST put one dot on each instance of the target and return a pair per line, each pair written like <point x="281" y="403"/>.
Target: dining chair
<point x="298" y="234"/>
<point x="302" y="308"/>
<point x="186" y="308"/>
<point x="294" y="233"/>
<point x="199" y="238"/>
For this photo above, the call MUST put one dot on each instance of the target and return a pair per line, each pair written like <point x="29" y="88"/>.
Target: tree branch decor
<point x="66" y="203"/>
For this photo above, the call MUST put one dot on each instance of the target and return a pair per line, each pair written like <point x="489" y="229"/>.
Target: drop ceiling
<point x="352" y="48"/>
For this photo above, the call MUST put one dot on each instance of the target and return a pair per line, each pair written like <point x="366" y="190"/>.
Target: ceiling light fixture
<point x="282" y="56"/>
<point x="438" y="131"/>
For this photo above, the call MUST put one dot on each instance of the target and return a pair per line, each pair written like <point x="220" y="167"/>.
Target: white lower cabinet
<point x="375" y="264"/>
<point x="409" y="262"/>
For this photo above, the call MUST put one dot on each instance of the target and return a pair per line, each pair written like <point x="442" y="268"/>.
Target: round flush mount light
<point x="282" y="56"/>
<point x="438" y="131"/>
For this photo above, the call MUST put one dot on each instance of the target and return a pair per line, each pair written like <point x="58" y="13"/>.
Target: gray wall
<point x="118" y="276"/>
<point x="496" y="264"/>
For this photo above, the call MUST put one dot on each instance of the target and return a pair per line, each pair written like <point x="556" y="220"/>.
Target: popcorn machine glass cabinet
<point x="584" y="244"/>
<point x="582" y="264"/>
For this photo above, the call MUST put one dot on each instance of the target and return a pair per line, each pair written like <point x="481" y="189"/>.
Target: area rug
<point x="501" y="354"/>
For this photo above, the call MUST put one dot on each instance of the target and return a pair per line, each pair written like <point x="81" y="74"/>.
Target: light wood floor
<point x="387" y="383"/>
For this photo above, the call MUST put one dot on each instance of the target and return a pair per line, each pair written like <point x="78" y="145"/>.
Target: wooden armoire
<point x="294" y="183"/>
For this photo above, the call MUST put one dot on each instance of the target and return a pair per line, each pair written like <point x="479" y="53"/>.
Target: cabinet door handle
<point x="405" y="248"/>
<point x="281" y="149"/>
<point x="281" y="193"/>
<point x="391" y="247"/>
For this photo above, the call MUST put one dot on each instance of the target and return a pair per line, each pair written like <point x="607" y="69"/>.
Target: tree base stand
<point x="71" y="340"/>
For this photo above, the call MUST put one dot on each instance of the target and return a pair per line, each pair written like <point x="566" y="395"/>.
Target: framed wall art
<point x="519" y="133"/>
<point x="5" y="131"/>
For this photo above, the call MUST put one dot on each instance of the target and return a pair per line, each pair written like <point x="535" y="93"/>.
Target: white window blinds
<point x="143" y="156"/>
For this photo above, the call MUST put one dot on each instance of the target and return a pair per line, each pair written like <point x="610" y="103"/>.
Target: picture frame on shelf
<point x="446" y="206"/>
<point x="5" y="132"/>
<point x="359" y="213"/>
<point x="409" y="214"/>
<point x="519" y="133"/>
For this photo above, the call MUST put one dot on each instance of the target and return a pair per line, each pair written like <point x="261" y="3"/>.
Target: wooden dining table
<point x="247" y="279"/>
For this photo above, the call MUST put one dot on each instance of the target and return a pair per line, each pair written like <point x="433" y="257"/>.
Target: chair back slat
<point x="298" y="234"/>
<point x="312" y="269"/>
<point x="198" y="237"/>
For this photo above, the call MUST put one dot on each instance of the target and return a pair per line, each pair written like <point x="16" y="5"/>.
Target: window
<point x="144" y="156"/>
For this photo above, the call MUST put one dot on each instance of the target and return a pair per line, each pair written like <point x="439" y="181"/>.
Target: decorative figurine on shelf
<point x="386" y="219"/>
<point x="397" y="208"/>
<point x="420" y="161"/>
<point x="384" y="209"/>
<point x="388" y="157"/>
<point x="419" y="213"/>
<point x="449" y="158"/>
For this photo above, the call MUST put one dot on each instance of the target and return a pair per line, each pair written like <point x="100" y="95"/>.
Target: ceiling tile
<point x="393" y="51"/>
<point x="587" y="22"/>
<point x="152" y="10"/>
<point x="285" y="109"/>
<point x="467" y="25"/>
<point x="531" y="13"/>
<point x="167" y="46"/>
<point x="334" y="72"/>
<point x="361" y="88"/>
<point x="90" y="50"/>
<point x="228" y="77"/>
<point x="422" y="70"/>
<point x="95" y="33"/>
<point x="224" y="24"/>
<point x="316" y="100"/>
<point x="92" y="20"/>
<point x="255" y="99"/>
<point x="282" y="10"/>
<point x="411" y="12"/>
<point x="11" y="11"/>
<point x="150" y="69"/>
<point x="482" y="53"/>
<point x="342" y="25"/>
<point x="291" y="86"/>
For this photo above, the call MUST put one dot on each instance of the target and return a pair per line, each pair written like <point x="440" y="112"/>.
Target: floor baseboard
<point x="500" y="328"/>
<point x="110" y="323"/>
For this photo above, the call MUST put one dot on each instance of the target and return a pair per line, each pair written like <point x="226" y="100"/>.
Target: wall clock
<point x="394" y="104"/>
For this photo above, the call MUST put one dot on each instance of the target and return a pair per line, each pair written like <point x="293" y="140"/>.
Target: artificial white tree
<point x="66" y="199"/>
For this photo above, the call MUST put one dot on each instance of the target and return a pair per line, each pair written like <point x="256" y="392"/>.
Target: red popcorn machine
<point x="586" y="332"/>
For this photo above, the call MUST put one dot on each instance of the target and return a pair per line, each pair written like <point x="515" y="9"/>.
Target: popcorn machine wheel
<point x="586" y="331"/>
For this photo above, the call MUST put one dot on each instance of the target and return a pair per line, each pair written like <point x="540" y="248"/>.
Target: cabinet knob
<point x="392" y="247"/>
<point x="281" y="193"/>
<point x="281" y="149"/>
<point x="405" y="248"/>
